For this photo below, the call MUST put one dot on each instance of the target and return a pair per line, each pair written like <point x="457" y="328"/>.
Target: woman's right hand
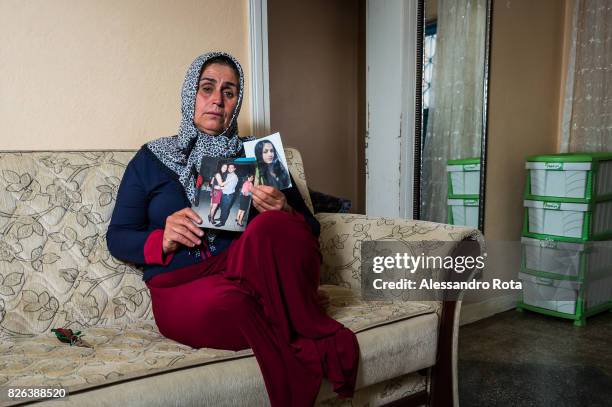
<point x="180" y="229"/>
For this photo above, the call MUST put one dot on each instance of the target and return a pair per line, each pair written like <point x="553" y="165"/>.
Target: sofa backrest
<point x="55" y="268"/>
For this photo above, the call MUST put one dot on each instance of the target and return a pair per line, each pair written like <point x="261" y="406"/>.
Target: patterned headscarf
<point x="183" y="152"/>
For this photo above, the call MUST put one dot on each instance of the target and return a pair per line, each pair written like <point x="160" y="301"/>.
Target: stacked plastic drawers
<point x="463" y="191"/>
<point x="566" y="266"/>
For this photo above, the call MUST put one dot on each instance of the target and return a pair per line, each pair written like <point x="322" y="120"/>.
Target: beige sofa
<point x="55" y="270"/>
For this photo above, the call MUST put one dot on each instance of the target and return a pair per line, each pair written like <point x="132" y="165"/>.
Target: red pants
<point x="261" y="293"/>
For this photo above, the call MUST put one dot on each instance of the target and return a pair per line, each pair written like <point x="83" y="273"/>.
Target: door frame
<point x="259" y="71"/>
<point x="391" y="58"/>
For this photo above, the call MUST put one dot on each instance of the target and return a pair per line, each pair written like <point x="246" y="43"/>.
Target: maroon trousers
<point x="261" y="293"/>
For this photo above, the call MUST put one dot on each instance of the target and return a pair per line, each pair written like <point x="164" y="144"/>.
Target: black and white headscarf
<point x="183" y="152"/>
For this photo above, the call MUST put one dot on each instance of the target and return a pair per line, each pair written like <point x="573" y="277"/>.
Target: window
<point x="429" y="51"/>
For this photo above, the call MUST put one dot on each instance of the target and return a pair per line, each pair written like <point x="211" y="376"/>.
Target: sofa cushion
<point x="379" y="394"/>
<point x="395" y="339"/>
<point x="209" y="386"/>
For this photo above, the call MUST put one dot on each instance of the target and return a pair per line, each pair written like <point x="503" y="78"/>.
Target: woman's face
<point x="268" y="153"/>
<point x="216" y="99"/>
<point x="224" y="168"/>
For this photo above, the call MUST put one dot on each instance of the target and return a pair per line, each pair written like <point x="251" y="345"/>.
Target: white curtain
<point x="587" y="109"/>
<point x="454" y="127"/>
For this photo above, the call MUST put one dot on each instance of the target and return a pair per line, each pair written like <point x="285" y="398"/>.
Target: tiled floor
<point x="527" y="359"/>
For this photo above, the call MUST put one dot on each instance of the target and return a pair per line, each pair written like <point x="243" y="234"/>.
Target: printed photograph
<point x="271" y="162"/>
<point x="224" y="196"/>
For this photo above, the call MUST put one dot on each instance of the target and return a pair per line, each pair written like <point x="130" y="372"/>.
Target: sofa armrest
<point x="343" y="233"/>
<point x="444" y="375"/>
<point x="341" y="238"/>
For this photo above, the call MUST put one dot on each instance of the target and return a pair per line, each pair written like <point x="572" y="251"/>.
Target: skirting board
<point x="479" y="310"/>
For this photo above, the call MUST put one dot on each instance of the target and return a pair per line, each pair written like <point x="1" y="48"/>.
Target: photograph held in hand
<point x="224" y="190"/>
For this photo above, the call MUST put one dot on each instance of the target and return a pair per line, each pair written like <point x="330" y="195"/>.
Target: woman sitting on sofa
<point x="220" y="289"/>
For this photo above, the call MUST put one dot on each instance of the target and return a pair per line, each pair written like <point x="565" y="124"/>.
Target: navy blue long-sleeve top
<point x="148" y="194"/>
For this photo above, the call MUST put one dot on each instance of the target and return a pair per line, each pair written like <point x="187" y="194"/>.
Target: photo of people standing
<point x="224" y="196"/>
<point x="216" y="183"/>
<point x="271" y="162"/>
<point x="228" y="191"/>
<point x="245" y="198"/>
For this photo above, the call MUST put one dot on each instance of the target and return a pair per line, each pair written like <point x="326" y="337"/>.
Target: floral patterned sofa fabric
<point x="125" y="351"/>
<point x="342" y="235"/>
<point x="55" y="270"/>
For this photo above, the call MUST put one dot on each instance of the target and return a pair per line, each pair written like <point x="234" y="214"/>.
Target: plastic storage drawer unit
<point x="564" y="260"/>
<point x="571" y="177"/>
<point x="463" y="178"/>
<point x="566" y="221"/>
<point x="463" y="212"/>
<point x="564" y="298"/>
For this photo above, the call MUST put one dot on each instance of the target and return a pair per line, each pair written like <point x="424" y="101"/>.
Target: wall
<point x="525" y="83"/>
<point x="316" y="89"/>
<point x="570" y="7"/>
<point x="106" y="74"/>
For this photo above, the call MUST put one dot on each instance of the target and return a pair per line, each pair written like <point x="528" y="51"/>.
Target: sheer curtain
<point x="454" y="127"/>
<point x="587" y="110"/>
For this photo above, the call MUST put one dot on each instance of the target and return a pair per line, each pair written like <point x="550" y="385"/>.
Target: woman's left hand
<point x="267" y="198"/>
